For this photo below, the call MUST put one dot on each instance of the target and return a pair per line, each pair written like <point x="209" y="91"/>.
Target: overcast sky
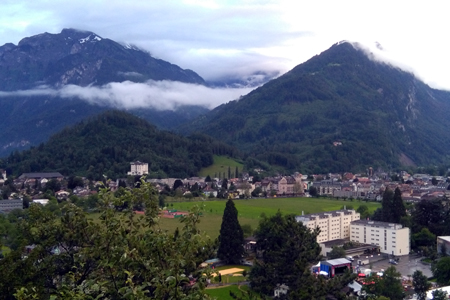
<point x="235" y="38"/>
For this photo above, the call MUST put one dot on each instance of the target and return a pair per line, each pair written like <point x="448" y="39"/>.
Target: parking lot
<point x="407" y="265"/>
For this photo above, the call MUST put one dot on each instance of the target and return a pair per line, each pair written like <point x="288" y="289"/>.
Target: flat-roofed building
<point x="333" y="225"/>
<point x="391" y="238"/>
<point x="8" y="205"/>
<point x="443" y="245"/>
<point x="138" y="168"/>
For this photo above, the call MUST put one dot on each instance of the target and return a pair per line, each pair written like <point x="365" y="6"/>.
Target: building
<point x="333" y="225"/>
<point x="41" y="176"/>
<point x="390" y="237"/>
<point x="443" y="245"/>
<point x="138" y="168"/>
<point x="334" y="267"/>
<point x="8" y="205"/>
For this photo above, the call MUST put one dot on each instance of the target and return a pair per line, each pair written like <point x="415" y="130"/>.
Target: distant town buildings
<point x="391" y="238"/>
<point x="138" y="168"/>
<point x="7" y="205"/>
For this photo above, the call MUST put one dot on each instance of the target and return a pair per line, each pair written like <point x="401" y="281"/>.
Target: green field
<point x="250" y="210"/>
<point x="220" y="166"/>
<point x="223" y="293"/>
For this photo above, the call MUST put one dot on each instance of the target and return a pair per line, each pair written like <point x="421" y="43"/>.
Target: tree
<point x="208" y="179"/>
<point x="231" y="238"/>
<point x="177" y="183"/>
<point x="236" y="172"/>
<point x="439" y="295"/>
<point x="398" y="207"/>
<point x="336" y="252"/>
<point x="229" y="172"/>
<point x="441" y="270"/>
<point x="122" y="256"/>
<point x="386" y="205"/>
<point x="225" y="184"/>
<point x="298" y="188"/>
<point x="313" y="191"/>
<point x="389" y="285"/>
<point x="363" y="210"/>
<point x="288" y="247"/>
<point x="424" y="238"/>
<point x="421" y="285"/>
<point x="74" y="181"/>
<point x="434" y="181"/>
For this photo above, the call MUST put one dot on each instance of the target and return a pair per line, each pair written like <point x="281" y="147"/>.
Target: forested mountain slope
<point x="339" y="111"/>
<point x="107" y="143"/>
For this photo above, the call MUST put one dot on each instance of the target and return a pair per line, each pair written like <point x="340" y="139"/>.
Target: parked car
<point x="393" y="261"/>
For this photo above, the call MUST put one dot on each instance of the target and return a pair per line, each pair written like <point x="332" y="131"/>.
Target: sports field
<point x="250" y="210"/>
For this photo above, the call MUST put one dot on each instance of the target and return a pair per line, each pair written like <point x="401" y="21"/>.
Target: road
<point x="407" y="265"/>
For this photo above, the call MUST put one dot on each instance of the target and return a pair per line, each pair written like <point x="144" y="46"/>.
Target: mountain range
<point x="79" y="58"/>
<point x="342" y="110"/>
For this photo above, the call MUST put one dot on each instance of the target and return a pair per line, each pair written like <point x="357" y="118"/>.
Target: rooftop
<point x="377" y="224"/>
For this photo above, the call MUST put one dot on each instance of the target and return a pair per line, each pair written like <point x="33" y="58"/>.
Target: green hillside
<point x="106" y="144"/>
<point x="220" y="165"/>
<point x="377" y="114"/>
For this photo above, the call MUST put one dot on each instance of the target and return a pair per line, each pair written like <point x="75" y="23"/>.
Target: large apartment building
<point x="391" y="238"/>
<point x="333" y="225"/>
<point x="138" y="168"/>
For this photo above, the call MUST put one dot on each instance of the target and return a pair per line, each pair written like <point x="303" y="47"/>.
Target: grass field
<point x="223" y="293"/>
<point x="220" y="166"/>
<point x="250" y="210"/>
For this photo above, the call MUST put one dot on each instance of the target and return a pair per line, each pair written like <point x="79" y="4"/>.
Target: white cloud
<point x="160" y="95"/>
<point x="222" y="38"/>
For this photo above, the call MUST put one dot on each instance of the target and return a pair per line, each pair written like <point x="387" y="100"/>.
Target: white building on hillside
<point x="333" y="225"/>
<point x="138" y="168"/>
<point x="390" y="237"/>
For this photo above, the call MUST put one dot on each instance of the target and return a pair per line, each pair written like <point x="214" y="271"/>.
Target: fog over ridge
<point x="159" y="95"/>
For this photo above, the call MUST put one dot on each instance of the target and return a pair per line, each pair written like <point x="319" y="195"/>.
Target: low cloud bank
<point x="160" y="95"/>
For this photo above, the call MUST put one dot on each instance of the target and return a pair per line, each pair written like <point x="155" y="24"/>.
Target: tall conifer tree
<point x="231" y="238"/>
<point x="386" y="205"/>
<point x="398" y="207"/>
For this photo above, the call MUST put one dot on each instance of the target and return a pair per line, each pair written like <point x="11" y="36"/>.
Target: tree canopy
<point x="121" y="256"/>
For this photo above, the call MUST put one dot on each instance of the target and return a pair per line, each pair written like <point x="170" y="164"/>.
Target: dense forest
<point x="339" y="111"/>
<point x="106" y="144"/>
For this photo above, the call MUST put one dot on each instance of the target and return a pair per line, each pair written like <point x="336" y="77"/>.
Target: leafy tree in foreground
<point x="231" y="238"/>
<point x="421" y="285"/>
<point x="122" y="256"/>
<point x="288" y="247"/>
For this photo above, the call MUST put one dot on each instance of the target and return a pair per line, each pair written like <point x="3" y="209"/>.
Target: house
<point x="42" y="175"/>
<point x="62" y="195"/>
<point x="280" y="290"/>
<point x="8" y="205"/>
<point x="138" y="168"/>
<point x="289" y="185"/>
<point x="43" y="202"/>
